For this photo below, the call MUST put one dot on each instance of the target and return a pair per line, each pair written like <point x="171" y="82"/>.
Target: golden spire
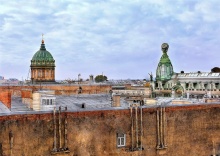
<point x="42" y="38"/>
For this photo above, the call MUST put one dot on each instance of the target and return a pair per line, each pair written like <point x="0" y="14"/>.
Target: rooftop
<point x="199" y="75"/>
<point x="94" y="102"/>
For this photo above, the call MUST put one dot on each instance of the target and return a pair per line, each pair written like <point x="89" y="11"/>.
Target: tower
<point x="164" y="69"/>
<point x="42" y="66"/>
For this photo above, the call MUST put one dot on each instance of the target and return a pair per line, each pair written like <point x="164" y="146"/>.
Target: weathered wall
<point x="191" y="130"/>
<point x="26" y="93"/>
<point x="59" y="89"/>
<point x="5" y="98"/>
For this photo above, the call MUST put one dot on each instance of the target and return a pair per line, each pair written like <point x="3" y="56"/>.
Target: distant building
<point x="42" y="66"/>
<point x="192" y="84"/>
<point x="10" y="81"/>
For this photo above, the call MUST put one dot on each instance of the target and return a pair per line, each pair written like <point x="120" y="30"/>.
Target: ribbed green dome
<point x="164" y="69"/>
<point x="42" y="57"/>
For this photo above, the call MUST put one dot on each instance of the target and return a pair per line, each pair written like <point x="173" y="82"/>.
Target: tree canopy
<point x="100" y="78"/>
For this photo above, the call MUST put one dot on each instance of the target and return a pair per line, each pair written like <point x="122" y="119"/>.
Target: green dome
<point x="164" y="69"/>
<point x="42" y="57"/>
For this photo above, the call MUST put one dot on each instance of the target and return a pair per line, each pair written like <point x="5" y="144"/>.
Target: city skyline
<point x="121" y="39"/>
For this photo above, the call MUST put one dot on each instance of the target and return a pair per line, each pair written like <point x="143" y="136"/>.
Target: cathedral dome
<point x="164" y="69"/>
<point x="42" y="57"/>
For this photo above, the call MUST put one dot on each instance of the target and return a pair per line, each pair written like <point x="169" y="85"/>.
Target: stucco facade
<point x="189" y="130"/>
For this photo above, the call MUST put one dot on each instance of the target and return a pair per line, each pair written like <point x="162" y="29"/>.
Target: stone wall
<point x="191" y="130"/>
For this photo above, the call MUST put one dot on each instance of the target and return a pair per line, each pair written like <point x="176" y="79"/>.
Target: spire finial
<point x="42" y="38"/>
<point x="165" y="47"/>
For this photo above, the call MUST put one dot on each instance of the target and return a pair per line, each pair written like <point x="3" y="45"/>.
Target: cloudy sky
<point x="120" y="38"/>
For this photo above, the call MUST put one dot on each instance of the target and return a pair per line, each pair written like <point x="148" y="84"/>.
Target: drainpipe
<point x="141" y="126"/>
<point x="164" y="129"/>
<point x="213" y="148"/>
<point x="60" y="144"/>
<point x="158" y="130"/>
<point x="11" y="141"/>
<point x="65" y="132"/>
<point x="136" y="127"/>
<point x="131" y="128"/>
<point x="161" y="127"/>
<point x="55" y="129"/>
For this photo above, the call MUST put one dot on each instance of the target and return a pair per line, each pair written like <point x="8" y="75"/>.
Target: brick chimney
<point x="116" y="101"/>
<point x="5" y="98"/>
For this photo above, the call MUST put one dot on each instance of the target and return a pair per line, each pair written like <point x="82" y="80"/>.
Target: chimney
<point x="5" y="98"/>
<point x="116" y="101"/>
<point x="91" y="78"/>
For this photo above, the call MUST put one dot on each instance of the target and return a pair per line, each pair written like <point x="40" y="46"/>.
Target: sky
<point x="119" y="38"/>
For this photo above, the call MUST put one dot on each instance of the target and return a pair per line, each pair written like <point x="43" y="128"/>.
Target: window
<point x="43" y="101"/>
<point x="48" y="101"/>
<point x="39" y="73"/>
<point x="121" y="139"/>
<point x="158" y="71"/>
<point x="163" y="70"/>
<point x="204" y="74"/>
<point x="215" y="74"/>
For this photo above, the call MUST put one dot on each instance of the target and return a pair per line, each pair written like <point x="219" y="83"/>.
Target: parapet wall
<point x="190" y="130"/>
<point x="59" y="89"/>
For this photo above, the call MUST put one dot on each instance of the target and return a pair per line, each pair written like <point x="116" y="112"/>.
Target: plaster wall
<point x="191" y="130"/>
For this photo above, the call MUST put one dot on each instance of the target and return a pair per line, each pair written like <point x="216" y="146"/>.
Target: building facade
<point x="192" y="84"/>
<point x="171" y="131"/>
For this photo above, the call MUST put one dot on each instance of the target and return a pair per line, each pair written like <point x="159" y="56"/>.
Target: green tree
<point x="100" y="78"/>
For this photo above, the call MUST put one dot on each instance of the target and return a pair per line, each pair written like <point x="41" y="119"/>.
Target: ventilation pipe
<point x="60" y="143"/>
<point x="136" y="127"/>
<point x="161" y="127"/>
<point x="11" y="141"/>
<point x="213" y="144"/>
<point x="65" y="131"/>
<point x="164" y="128"/>
<point x="158" y="130"/>
<point x="141" y="126"/>
<point x="55" y="129"/>
<point x="132" y="129"/>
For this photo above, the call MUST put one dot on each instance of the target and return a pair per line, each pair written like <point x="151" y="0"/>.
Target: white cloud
<point x="121" y="38"/>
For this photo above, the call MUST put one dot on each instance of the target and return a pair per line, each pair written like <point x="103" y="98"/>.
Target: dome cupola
<point x="164" y="69"/>
<point x="42" y="57"/>
<point x="42" y="66"/>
